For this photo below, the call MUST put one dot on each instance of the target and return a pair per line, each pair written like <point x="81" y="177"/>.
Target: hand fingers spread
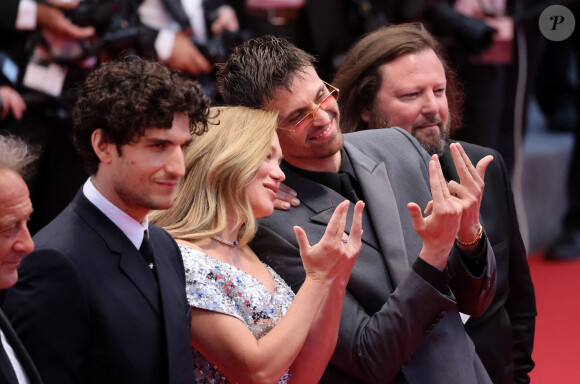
<point x="429" y="208"/>
<point x="335" y="227"/>
<point x="301" y="238"/>
<point x="356" y="226"/>
<point x="438" y="185"/>
<point x="415" y="211"/>
<point x="442" y="180"/>
<point x="482" y="165"/>
<point x="462" y="166"/>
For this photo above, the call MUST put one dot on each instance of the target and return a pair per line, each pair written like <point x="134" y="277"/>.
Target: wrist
<point x="472" y="241"/>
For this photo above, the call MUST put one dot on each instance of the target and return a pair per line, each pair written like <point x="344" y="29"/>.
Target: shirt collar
<point x="133" y="229"/>
<point x="329" y="179"/>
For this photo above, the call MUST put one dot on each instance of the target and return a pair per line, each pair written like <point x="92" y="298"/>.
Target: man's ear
<point x="365" y="115"/>
<point x="103" y="149"/>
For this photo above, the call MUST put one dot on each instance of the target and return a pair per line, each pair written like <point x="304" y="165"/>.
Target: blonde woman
<point x="247" y="326"/>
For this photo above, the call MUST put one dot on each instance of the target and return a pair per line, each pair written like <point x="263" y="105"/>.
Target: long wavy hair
<point x="218" y="166"/>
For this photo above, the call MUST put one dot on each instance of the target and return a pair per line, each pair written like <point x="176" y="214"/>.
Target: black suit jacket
<point x="23" y="357"/>
<point x="88" y="308"/>
<point x="504" y="334"/>
<point x="8" y="14"/>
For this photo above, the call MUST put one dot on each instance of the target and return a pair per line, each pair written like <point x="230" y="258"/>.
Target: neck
<point x="137" y="213"/>
<point x="328" y="164"/>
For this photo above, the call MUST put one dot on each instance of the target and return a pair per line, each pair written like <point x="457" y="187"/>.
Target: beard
<point x="433" y="143"/>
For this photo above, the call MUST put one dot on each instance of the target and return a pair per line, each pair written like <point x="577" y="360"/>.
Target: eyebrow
<point x="319" y="94"/>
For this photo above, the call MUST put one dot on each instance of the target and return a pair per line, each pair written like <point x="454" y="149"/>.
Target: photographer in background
<point x="190" y="35"/>
<point x="48" y="48"/>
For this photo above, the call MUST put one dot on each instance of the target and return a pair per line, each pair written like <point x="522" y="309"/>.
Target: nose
<point x="429" y="104"/>
<point x="176" y="162"/>
<point x="23" y="244"/>
<point x="277" y="173"/>
<point x="320" y="117"/>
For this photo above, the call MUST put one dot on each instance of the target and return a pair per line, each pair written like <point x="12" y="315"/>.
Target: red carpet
<point x="557" y="341"/>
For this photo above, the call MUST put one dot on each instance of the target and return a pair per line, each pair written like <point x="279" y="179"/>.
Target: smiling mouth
<point x="271" y="188"/>
<point x="324" y="132"/>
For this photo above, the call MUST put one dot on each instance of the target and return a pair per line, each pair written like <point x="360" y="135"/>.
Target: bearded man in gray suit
<point x="400" y="321"/>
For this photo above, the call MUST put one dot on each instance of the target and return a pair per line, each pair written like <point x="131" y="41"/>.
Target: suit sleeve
<point x="521" y="302"/>
<point x="367" y="338"/>
<point x="8" y="14"/>
<point x="49" y="311"/>
<point x="474" y="293"/>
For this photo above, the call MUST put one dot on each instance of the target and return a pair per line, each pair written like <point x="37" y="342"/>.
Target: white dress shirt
<point x="133" y="229"/>
<point x="20" y="374"/>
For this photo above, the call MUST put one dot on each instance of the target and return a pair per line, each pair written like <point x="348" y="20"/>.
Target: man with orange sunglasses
<point x="400" y="320"/>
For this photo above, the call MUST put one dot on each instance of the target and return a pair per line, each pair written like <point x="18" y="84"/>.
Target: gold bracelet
<point x="468" y="243"/>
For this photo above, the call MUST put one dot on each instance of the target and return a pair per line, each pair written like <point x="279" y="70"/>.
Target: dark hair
<point x="257" y="68"/>
<point x="123" y="98"/>
<point x="359" y="78"/>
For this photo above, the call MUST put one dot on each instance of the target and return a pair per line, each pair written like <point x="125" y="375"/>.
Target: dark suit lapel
<point x="323" y="200"/>
<point x="21" y="353"/>
<point x="172" y="293"/>
<point x="448" y="167"/>
<point x="382" y="208"/>
<point x="130" y="260"/>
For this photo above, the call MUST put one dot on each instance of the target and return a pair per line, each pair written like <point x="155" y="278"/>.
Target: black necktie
<point x="147" y="252"/>
<point x="8" y="375"/>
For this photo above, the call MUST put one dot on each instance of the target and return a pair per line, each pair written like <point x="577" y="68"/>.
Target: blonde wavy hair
<point x="218" y="166"/>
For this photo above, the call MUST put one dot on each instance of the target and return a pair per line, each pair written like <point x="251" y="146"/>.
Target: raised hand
<point x="333" y="257"/>
<point x="186" y="57"/>
<point x="51" y="18"/>
<point x="12" y="103"/>
<point x="469" y="192"/>
<point x="439" y="229"/>
<point x="226" y="20"/>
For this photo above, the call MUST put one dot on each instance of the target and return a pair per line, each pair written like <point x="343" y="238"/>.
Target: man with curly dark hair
<point x="102" y="298"/>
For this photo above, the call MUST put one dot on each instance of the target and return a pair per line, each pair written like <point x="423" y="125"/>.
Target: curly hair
<point x="218" y="166"/>
<point x="125" y="97"/>
<point x="257" y="68"/>
<point x="359" y="78"/>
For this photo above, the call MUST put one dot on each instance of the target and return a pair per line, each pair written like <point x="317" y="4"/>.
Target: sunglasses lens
<point x="329" y="100"/>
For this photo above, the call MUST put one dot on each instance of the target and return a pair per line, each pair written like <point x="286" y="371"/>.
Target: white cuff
<point x="26" y="16"/>
<point x="164" y="44"/>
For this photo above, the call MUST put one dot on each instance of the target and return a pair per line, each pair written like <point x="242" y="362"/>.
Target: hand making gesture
<point x="439" y="229"/>
<point x="333" y="257"/>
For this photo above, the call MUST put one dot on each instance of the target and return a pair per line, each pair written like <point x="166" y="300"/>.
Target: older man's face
<point x="412" y="96"/>
<point x="15" y="240"/>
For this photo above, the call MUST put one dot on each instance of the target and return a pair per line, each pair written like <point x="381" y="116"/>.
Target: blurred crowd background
<point x="521" y="88"/>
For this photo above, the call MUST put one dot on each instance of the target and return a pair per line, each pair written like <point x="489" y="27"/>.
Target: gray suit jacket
<point x="395" y="327"/>
<point x="89" y="310"/>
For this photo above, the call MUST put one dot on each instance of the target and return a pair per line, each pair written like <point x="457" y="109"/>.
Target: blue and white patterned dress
<point x="220" y="287"/>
